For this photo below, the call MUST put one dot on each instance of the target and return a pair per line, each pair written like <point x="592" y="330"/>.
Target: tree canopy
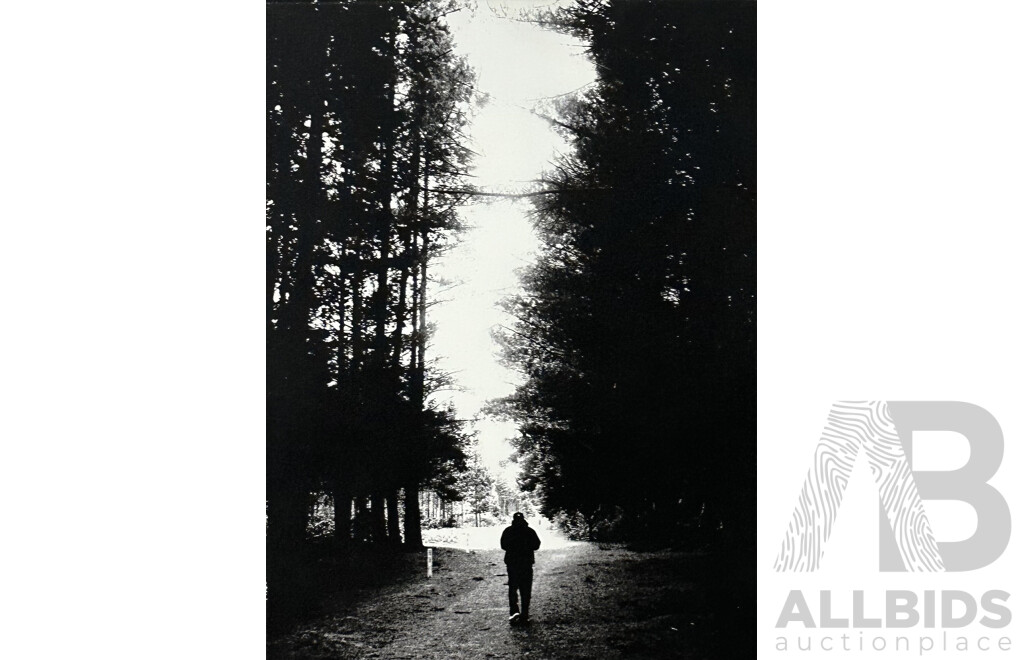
<point x="635" y="332"/>
<point x="365" y="106"/>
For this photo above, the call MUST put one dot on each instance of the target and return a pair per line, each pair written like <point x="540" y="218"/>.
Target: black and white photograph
<point x="552" y="329"/>
<point x="510" y="322"/>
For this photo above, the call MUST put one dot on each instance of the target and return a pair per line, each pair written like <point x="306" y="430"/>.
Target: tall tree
<point x="365" y="101"/>
<point x="636" y="329"/>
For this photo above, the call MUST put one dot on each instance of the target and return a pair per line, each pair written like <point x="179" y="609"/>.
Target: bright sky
<point x="519" y="65"/>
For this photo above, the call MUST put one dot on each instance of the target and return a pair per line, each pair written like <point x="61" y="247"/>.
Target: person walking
<point x="519" y="542"/>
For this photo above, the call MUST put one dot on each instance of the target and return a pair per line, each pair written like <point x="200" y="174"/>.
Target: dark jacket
<point x="519" y="541"/>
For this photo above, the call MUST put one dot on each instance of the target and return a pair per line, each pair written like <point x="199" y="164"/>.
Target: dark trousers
<point x="520" y="579"/>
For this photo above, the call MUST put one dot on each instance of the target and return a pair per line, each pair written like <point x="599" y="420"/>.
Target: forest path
<point x="588" y="602"/>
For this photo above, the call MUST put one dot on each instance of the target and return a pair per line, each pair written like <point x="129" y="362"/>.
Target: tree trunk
<point x="400" y="314"/>
<point x="357" y="322"/>
<point x="413" y="533"/>
<point x="385" y="222"/>
<point x="287" y="515"/>
<point x="409" y="245"/>
<point x="361" y="524"/>
<point x="341" y="349"/>
<point x="302" y="299"/>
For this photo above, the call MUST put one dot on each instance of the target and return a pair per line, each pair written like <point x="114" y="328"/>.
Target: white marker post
<point x="430" y="562"/>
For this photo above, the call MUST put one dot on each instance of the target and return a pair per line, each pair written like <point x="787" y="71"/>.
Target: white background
<point x="131" y="482"/>
<point x="889" y="247"/>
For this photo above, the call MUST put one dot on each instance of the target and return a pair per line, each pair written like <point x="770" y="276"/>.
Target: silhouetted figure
<point x="519" y="542"/>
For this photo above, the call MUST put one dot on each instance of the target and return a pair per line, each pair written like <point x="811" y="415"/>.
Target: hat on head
<point x="518" y="516"/>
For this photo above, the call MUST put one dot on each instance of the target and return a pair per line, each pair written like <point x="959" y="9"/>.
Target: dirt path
<point x="588" y="602"/>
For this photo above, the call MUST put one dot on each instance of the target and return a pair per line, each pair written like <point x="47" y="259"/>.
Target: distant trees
<point x="365" y="103"/>
<point x="477" y="495"/>
<point x="476" y="487"/>
<point x="511" y="499"/>
<point x="636" y="328"/>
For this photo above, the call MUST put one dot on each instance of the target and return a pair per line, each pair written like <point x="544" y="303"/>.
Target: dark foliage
<point x="365" y="102"/>
<point x="636" y="329"/>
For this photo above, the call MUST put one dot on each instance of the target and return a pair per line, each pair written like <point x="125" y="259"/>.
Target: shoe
<point x="514" y="619"/>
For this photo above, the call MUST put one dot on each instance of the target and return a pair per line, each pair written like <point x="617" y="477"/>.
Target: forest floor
<point x="589" y="601"/>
